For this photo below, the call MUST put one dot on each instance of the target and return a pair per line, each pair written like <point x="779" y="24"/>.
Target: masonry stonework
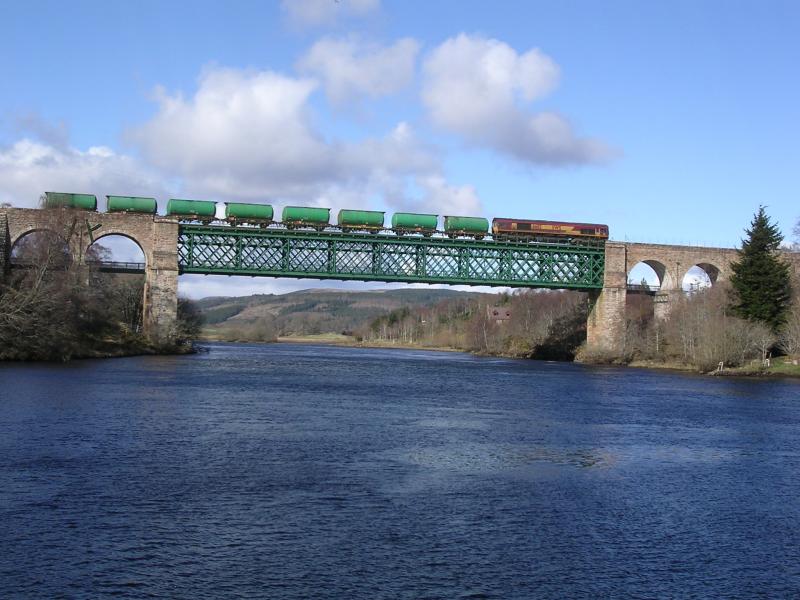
<point x="605" y="329"/>
<point x="5" y="248"/>
<point x="156" y="236"/>
<point x="606" y="326"/>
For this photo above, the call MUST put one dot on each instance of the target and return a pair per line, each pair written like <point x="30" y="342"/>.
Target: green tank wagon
<point x="300" y="216"/>
<point x="240" y="212"/>
<point x="371" y="220"/>
<point x="476" y="227"/>
<point x="132" y="204"/>
<point x="63" y="200"/>
<point x="197" y="210"/>
<point x="412" y="222"/>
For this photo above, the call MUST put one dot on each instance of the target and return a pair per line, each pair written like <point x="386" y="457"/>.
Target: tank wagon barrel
<point x="248" y="213"/>
<point x="414" y="222"/>
<point x="360" y="219"/>
<point x="65" y="200"/>
<point x="306" y="216"/>
<point x="476" y="227"/>
<point x="132" y="204"/>
<point x="199" y="210"/>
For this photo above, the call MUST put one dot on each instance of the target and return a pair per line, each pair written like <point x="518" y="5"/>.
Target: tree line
<point x="540" y="324"/>
<point x="754" y="315"/>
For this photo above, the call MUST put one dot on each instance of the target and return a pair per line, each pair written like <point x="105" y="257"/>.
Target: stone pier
<point x="5" y="246"/>
<point x="606" y="326"/>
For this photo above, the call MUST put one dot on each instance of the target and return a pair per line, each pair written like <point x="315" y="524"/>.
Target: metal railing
<point x="110" y="266"/>
<point x="104" y="266"/>
<point x="643" y="288"/>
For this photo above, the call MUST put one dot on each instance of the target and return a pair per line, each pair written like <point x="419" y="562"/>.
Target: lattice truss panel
<point x="280" y="253"/>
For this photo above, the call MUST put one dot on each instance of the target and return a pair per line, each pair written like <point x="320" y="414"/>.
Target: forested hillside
<point x="310" y="312"/>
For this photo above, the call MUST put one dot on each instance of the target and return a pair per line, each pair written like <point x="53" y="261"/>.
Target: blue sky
<point x="671" y="122"/>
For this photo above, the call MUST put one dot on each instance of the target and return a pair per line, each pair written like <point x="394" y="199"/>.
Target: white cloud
<point x="448" y="199"/>
<point x="318" y="13"/>
<point x="240" y="129"/>
<point x="248" y="135"/>
<point x="29" y="167"/>
<point x="350" y="68"/>
<point x="479" y="88"/>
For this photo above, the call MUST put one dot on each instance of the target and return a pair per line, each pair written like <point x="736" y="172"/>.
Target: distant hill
<point x="309" y="312"/>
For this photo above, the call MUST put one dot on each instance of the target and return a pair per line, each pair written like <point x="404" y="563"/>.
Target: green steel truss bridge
<point x="273" y="252"/>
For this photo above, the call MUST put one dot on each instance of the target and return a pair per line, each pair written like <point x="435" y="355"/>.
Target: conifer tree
<point x="760" y="277"/>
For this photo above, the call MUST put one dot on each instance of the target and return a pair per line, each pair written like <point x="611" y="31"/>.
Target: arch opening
<point x="120" y="263"/>
<point x="118" y="249"/>
<point x="40" y="247"/>
<point x="649" y="276"/>
<point x="700" y="276"/>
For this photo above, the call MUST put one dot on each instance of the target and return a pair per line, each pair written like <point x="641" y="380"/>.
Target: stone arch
<point x="122" y="234"/>
<point x="711" y="270"/>
<point x="15" y="241"/>
<point x="17" y="236"/>
<point x="705" y="272"/>
<point x="664" y="277"/>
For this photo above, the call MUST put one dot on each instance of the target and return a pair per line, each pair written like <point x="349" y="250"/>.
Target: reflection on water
<point x="290" y="471"/>
<point x="495" y="458"/>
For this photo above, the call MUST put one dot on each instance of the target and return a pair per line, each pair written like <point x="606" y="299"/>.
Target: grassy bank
<point x="780" y="367"/>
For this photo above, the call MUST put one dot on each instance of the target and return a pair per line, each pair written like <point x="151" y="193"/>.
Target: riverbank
<point x="780" y="367"/>
<point x="107" y="351"/>
<point x="336" y="339"/>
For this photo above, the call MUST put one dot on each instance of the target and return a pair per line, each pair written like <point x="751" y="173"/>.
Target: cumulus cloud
<point x="33" y="124"/>
<point x="350" y="68"/>
<point x="29" y="167"/>
<point x="480" y="89"/>
<point x="248" y="135"/>
<point x="318" y="13"/>
<point x="240" y="128"/>
<point x="446" y="199"/>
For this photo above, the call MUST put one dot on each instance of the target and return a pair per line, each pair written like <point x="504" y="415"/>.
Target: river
<point x="298" y="471"/>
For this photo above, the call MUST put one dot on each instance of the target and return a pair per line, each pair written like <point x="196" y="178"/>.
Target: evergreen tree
<point x="760" y="277"/>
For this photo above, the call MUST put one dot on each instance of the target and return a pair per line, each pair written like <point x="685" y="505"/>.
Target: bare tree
<point x="762" y="339"/>
<point x="796" y="232"/>
<point x="790" y="335"/>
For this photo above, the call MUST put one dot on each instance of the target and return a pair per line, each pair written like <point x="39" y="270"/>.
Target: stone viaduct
<point x="158" y="239"/>
<point x="156" y="236"/>
<point x="606" y="326"/>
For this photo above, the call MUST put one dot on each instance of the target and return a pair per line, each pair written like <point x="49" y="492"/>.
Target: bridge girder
<point x="369" y="257"/>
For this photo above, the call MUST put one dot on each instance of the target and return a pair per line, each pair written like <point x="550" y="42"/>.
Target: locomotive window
<point x="523" y="226"/>
<point x="587" y="232"/>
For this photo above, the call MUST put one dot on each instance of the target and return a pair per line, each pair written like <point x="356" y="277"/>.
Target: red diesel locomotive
<point x="522" y="228"/>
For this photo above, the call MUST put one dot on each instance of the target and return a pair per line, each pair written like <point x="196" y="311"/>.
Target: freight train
<point x="348" y="220"/>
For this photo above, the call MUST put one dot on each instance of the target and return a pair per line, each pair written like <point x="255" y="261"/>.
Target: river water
<point x="294" y="471"/>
